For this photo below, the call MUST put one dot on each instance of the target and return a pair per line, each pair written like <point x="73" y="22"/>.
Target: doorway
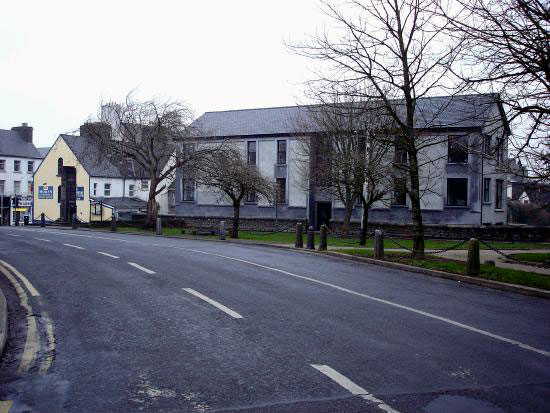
<point x="68" y="193"/>
<point x="324" y="214"/>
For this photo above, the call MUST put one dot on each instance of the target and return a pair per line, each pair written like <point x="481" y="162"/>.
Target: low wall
<point x="432" y="231"/>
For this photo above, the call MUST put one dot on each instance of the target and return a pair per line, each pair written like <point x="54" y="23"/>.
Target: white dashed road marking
<point x="43" y="239"/>
<point x="352" y="387"/>
<point x="107" y="254"/>
<point x="214" y="303"/>
<point x="74" y="246"/>
<point x="139" y="267"/>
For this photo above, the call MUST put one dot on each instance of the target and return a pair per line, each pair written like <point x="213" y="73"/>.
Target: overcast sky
<point x="59" y="59"/>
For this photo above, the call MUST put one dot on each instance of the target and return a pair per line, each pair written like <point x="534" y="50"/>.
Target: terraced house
<point x="463" y="182"/>
<point x="73" y="180"/>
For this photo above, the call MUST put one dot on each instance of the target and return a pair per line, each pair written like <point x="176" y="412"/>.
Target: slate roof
<point x="12" y="144"/>
<point x="123" y="203"/>
<point x="43" y="151"/>
<point x="465" y="111"/>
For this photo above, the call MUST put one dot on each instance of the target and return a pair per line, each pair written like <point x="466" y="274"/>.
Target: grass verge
<point x="506" y="275"/>
<point x="536" y="257"/>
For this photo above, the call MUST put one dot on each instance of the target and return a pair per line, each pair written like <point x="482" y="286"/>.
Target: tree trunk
<point x="236" y="214"/>
<point x="152" y="206"/>
<point x="414" y="194"/>
<point x="364" y="224"/>
<point x="348" y="210"/>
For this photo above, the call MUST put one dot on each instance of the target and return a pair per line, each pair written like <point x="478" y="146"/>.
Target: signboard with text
<point x="79" y="193"/>
<point x="45" y="192"/>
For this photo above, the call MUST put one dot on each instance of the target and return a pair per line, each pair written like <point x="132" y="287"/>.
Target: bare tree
<point x="227" y="172"/>
<point x="508" y="51"/>
<point x="394" y="52"/>
<point x="145" y="134"/>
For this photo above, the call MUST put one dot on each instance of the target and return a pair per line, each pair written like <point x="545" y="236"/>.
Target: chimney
<point x="25" y="131"/>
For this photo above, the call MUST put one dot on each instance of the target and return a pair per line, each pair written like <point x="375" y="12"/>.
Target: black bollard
<point x="472" y="264"/>
<point x="299" y="243"/>
<point x="42" y="220"/>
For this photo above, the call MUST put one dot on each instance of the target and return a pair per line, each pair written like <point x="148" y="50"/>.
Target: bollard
<point x="299" y="243"/>
<point x="222" y="229"/>
<point x="378" y="244"/>
<point x="310" y="239"/>
<point x="42" y="220"/>
<point x="472" y="265"/>
<point x="74" y="221"/>
<point x="323" y="238"/>
<point x="159" y="227"/>
<point x="113" y="224"/>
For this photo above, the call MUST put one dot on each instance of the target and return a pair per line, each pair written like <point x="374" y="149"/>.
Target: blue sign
<point x="80" y="193"/>
<point x="45" y="192"/>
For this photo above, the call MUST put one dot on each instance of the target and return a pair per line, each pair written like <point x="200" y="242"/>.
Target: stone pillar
<point x="113" y="224"/>
<point x="159" y="227"/>
<point x="378" y="244"/>
<point x="42" y="220"/>
<point x="472" y="265"/>
<point x="310" y="239"/>
<point x="323" y="238"/>
<point x="222" y="229"/>
<point x="299" y="243"/>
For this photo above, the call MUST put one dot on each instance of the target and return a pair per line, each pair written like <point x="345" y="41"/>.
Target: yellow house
<point x="73" y="180"/>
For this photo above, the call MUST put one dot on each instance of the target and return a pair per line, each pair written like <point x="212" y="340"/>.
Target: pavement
<point x="124" y="323"/>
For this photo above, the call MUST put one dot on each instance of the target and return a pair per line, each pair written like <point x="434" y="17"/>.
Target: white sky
<point x="59" y="59"/>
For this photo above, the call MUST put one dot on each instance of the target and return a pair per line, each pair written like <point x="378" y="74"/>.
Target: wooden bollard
<point x="159" y="227"/>
<point x="323" y="238"/>
<point x="310" y="239"/>
<point x="472" y="265"/>
<point x="299" y="243"/>
<point x="42" y="220"/>
<point x="113" y="224"/>
<point x="378" y="244"/>
<point x="222" y="230"/>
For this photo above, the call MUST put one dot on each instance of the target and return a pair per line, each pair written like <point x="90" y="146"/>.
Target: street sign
<point x="80" y="193"/>
<point x="45" y="192"/>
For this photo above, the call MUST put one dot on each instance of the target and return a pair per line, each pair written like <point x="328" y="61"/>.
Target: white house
<point x="19" y="159"/>
<point x="468" y="186"/>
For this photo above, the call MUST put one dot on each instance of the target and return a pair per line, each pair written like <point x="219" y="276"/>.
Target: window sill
<point x="458" y="163"/>
<point x="487" y="203"/>
<point x="188" y="201"/>
<point x="499" y="210"/>
<point x="457" y="206"/>
<point x="399" y="206"/>
<point x="250" y="203"/>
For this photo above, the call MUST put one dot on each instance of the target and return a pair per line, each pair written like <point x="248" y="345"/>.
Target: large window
<point x="458" y="149"/>
<point x="457" y="192"/>
<point x="281" y="190"/>
<point x="251" y="153"/>
<point x="500" y="152"/>
<point x="17" y="187"/>
<point x="281" y="152"/>
<point x="487" y="190"/>
<point x="30" y="167"/>
<point x="16" y="166"/>
<point x="107" y="190"/>
<point x="2" y="187"/>
<point x="399" y="196"/>
<point x="131" y="190"/>
<point x="188" y="189"/>
<point x="400" y="155"/>
<point x="2" y="164"/>
<point x="498" y="193"/>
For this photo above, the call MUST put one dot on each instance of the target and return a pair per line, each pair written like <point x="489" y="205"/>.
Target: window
<point x="107" y="190"/>
<point x="281" y="152"/>
<point x="500" y="152"/>
<point x="30" y="167"/>
<point x="2" y="187"/>
<point x="498" y="193"/>
<point x="60" y="166"/>
<point x="2" y="164"/>
<point x="16" y="166"/>
<point x="96" y="210"/>
<point x="131" y="190"/>
<point x="458" y="149"/>
<point x="487" y="190"/>
<point x="251" y="153"/>
<point x="457" y="192"/>
<point x="29" y="187"/>
<point x="399" y="192"/>
<point x="281" y="190"/>
<point x="17" y="187"/>
<point x="144" y="184"/>
<point x="400" y="155"/>
<point x="486" y="145"/>
<point x="250" y="197"/>
<point x="188" y="189"/>
<point x="95" y="189"/>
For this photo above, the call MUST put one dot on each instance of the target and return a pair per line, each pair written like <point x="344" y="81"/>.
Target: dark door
<point x="68" y="193"/>
<point x="324" y="214"/>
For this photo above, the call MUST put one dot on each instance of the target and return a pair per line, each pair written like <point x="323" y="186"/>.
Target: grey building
<point x="468" y="188"/>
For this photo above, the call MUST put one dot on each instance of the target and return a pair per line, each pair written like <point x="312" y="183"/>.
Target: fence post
<point x="299" y="243"/>
<point x="378" y="244"/>
<point x="472" y="264"/>
<point x="113" y="224"/>
<point x="74" y="221"/>
<point x="310" y="239"/>
<point x="222" y="229"/>
<point x="42" y="220"/>
<point x="159" y="227"/>
<point x="323" y="238"/>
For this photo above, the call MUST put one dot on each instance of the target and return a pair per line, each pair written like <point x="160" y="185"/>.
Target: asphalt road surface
<point x="104" y="322"/>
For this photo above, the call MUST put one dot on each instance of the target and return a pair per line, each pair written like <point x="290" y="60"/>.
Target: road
<point x="141" y="323"/>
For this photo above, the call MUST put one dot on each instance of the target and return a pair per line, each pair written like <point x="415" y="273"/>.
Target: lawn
<point x="489" y="272"/>
<point x="289" y="237"/>
<point x="536" y="257"/>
